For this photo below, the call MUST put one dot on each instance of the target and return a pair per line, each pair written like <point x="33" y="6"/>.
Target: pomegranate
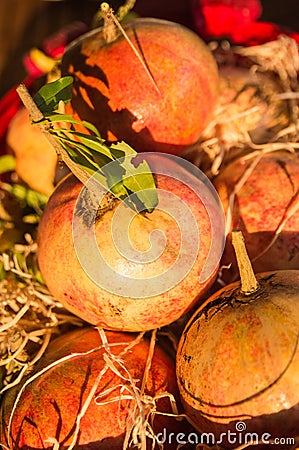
<point x="238" y="361"/>
<point x="265" y="208"/>
<point x="36" y="160"/>
<point x="128" y="291"/>
<point x="161" y="101"/>
<point x="93" y="392"/>
<point x="250" y="111"/>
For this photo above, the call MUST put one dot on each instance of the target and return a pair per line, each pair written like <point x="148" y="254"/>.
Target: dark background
<point x="25" y="23"/>
<point x="283" y="12"/>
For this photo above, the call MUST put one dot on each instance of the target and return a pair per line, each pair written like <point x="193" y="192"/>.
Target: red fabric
<point x="9" y="106"/>
<point x="256" y="33"/>
<point x="54" y="46"/>
<point x="235" y="20"/>
<point x="220" y="18"/>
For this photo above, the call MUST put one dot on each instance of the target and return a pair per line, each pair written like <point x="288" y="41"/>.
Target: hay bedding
<point x="255" y="82"/>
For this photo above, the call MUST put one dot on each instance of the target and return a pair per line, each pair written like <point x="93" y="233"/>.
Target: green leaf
<point x="26" y="196"/>
<point x="136" y="179"/>
<point x="32" y="219"/>
<point x="79" y="157"/>
<point x="114" y="175"/>
<point x="81" y="160"/>
<point x="39" y="277"/>
<point x="57" y="117"/>
<point x="121" y="149"/>
<point x="140" y="180"/>
<point x="84" y="156"/>
<point x="2" y="271"/>
<point x="7" y="163"/>
<point x="95" y="146"/>
<point x="67" y="118"/>
<point x="36" y="199"/>
<point x="48" y="97"/>
<point x="122" y="177"/>
<point x="92" y="154"/>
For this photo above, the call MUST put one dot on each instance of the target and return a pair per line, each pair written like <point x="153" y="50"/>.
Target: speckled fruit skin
<point x="49" y="404"/>
<point x="260" y="205"/>
<point x="68" y="282"/>
<point x="238" y="360"/>
<point x="112" y="90"/>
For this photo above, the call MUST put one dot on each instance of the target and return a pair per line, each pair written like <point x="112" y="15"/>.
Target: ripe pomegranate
<point x="36" y="159"/>
<point x="161" y="103"/>
<point x="238" y="361"/>
<point x="249" y="111"/>
<point x="90" y="392"/>
<point x="265" y="209"/>
<point x="136" y="298"/>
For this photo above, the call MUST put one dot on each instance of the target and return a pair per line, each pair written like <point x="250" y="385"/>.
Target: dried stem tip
<point x="110" y="30"/>
<point x="249" y="284"/>
<point x="105" y="8"/>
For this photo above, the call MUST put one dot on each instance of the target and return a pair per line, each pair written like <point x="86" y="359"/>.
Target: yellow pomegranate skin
<point x="36" y="159"/>
<point x="238" y="361"/>
<point x="68" y="281"/>
<point x="264" y="210"/>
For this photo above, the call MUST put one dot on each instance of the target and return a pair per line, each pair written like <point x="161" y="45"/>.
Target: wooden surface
<point x="11" y="31"/>
<point x="25" y="23"/>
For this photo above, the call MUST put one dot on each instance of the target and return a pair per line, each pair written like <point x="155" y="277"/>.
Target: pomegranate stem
<point x="109" y="28"/>
<point x="111" y="24"/>
<point x="249" y="283"/>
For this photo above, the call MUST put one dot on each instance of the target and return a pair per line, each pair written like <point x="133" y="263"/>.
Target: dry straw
<point x="29" y="316"/>
<point x="227" y="135"/>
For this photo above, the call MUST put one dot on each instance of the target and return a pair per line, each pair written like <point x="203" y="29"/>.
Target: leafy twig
<point x="38" y="119"/>
<point x="89" y="155"/>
